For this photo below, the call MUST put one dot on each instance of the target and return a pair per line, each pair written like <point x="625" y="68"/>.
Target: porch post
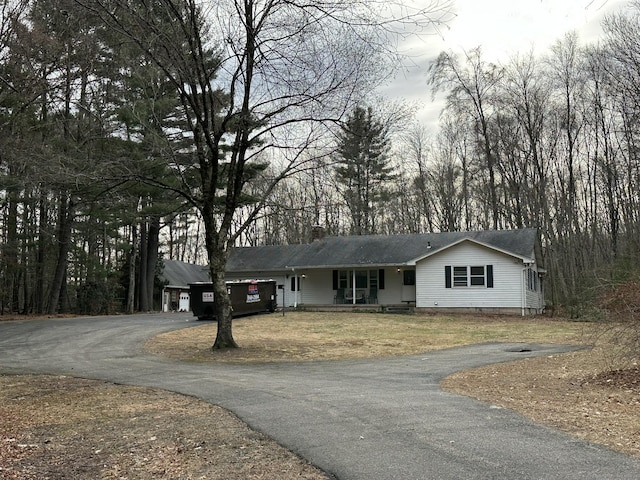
<point x="353" y="287"/>
<point x="295" y="287"/>
<point x="165" y="301"/>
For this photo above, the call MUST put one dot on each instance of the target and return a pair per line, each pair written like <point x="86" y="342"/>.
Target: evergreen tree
<point x="362" y="168"/>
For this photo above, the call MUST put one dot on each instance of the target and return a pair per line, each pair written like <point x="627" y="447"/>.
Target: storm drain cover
<point x="520" y="349"/>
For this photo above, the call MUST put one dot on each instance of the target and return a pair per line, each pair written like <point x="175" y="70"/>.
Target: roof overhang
<point x="345" y="266"/>
<point x="525" y="260"/>
<point x="293" y="268"/>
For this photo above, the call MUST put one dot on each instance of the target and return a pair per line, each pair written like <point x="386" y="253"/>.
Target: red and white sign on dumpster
<point x="207" y="297"/>
<point x="253" y="295"/>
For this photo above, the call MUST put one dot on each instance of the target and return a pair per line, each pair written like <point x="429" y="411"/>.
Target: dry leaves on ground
<point x="61" y="428"/>
<point x="575" y="393"/>
<point x="67" y="428"/>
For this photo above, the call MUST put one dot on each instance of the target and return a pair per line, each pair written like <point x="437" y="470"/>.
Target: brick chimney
<point x="317" y="233"/>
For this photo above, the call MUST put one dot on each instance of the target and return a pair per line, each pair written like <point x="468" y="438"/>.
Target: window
<point x="373" y="278"/>
<point x="476" y="275"/>
<point x="469" y="276"/>
<point x="460" y="277"/>
<point x="343" y="279"/>
<point x="361" y="278"/>
<point x="409" y="277"/>
<point x="532" y="280"/>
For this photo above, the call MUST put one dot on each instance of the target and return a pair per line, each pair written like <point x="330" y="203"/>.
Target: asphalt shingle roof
<point x="180" y="274"/>
<point x="378" y="250"/>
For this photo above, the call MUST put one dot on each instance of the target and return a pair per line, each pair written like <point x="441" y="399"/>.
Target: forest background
<point x="90" y="131"/>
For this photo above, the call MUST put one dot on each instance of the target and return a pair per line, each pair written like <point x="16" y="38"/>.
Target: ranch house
<point x="493" y="271"/>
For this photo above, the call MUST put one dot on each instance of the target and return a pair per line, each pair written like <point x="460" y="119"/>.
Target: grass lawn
<point x="593" y="394"/>
<point x="61" y="427"/>
<point x="300" y="336"/>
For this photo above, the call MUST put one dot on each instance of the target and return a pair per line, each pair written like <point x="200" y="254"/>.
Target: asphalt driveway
<point x="363" y="419"/>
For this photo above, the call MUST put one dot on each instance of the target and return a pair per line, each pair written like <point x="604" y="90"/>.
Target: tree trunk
<point x="10" y="252"/>
<point x="26" y="253"/>
<point x="218" y="252"/>
<point x="224" y="313"/>
<point x="131" y="293"/>
<point x="63" y="239"/>
<point x="65" y="305"/>
<point x="143" y="301"/>
<point x="153" y="240"/>
<point x="44" y="238"/>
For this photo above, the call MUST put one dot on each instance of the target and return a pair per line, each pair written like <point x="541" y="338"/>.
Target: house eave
<point x="345" y="266"/>
<point x="293" y="268"/>
<point x="469" y="239"/>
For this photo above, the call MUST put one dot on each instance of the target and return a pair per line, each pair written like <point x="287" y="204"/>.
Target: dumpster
<point x="247" y="297"/>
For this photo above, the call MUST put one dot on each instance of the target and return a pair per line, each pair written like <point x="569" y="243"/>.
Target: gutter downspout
<point x="541" y="298"/>
<point x="523" y="290"/>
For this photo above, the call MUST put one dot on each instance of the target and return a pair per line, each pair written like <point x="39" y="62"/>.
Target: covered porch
<point x="407" y="308"/>
<point x="369" y="289"/>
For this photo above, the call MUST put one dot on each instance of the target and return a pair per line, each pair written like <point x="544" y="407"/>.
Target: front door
<point x="409" y="286"/>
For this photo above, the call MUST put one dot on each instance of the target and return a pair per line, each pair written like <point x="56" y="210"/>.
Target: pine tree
<point x="362" y="167"/>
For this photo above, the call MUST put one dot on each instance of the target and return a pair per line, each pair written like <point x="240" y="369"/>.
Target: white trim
<point x="469" y="239"/>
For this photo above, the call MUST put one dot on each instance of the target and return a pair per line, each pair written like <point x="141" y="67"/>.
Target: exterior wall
<point x="171" y="299"/>
<point x="506" y="296"/>
<point x="392" y="292"/>
<point x="316" y="287"/>
<point x="531" y="298"/>
<point x="535" y="298"/>
<point x="507" y="288"/>
<point x="479" y="310"/>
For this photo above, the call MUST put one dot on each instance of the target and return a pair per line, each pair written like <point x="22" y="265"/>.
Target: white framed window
<point x="460" y="276"/>
<point x="468" y="276"/>
<point x="343" y="279"/>
<point x="477" y="276"/>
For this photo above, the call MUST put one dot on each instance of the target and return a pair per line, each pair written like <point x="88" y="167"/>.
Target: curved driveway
<point x="363" y="419"/>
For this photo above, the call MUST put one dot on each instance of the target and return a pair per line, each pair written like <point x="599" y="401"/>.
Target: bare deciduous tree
<point x="472" y="88"/>
<point x="253" y="75"/>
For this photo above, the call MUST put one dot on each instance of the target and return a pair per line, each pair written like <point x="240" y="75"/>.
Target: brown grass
<point x="572" y="392"/>
<point x="300" y="336"/>
<point x="577" y="393"/>
<point x="69" y="428"/>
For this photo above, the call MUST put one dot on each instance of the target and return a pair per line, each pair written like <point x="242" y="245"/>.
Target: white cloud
<point x="502" y="28"/>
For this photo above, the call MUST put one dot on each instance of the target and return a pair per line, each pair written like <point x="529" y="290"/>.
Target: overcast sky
<point x="503" y="28"/>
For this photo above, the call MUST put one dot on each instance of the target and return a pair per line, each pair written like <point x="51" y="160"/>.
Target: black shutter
<point x="447" y="276"/>
<point x="293" y="283"/>
<point x="335" y="279"/>
<point x="489" y="276"/>
<point x="381" y="279"/>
